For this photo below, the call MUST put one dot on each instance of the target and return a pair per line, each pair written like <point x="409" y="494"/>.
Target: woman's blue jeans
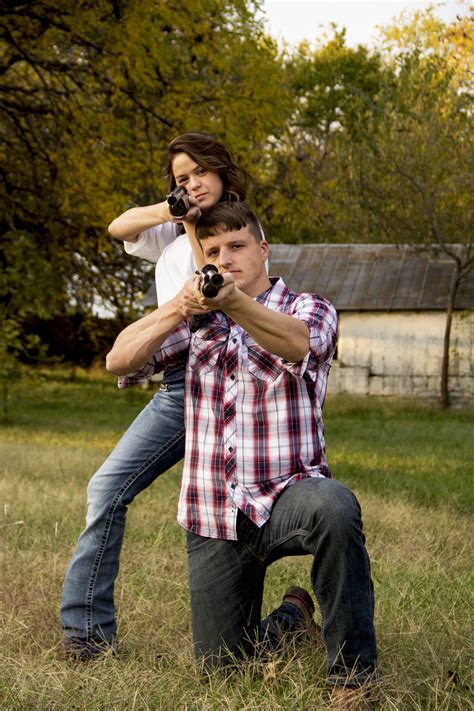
<point x="152" y="444"/>
<point x="320" y="517"/>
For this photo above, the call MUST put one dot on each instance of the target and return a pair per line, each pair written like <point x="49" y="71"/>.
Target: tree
<point x="27" y="286"/>
<point x="411" y="174"/>
<point x="91" y="94"/>
<point x="335" y="90"/>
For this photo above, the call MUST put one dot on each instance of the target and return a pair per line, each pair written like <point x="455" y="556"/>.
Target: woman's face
<point x="204" y="185"/>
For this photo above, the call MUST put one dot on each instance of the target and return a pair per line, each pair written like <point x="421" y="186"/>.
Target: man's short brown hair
<point x="228" y="217"/>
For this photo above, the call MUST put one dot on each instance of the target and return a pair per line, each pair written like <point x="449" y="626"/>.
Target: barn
<point x="392" y="303"/>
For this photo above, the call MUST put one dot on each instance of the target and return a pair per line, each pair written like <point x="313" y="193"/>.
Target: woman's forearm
<point x="198" y="254"/>
<point x="130" y="223"/>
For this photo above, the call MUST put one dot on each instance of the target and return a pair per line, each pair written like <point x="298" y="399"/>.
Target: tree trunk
<point x="445" y="402"/>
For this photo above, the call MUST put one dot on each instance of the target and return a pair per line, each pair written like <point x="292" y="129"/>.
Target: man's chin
<point x="238" y="282"/>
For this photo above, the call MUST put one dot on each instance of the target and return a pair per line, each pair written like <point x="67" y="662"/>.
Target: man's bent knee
<point x="331" y="504"/>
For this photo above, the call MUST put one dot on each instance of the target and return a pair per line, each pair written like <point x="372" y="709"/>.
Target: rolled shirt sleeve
<point x="174" y="347"/>
<point x="150" y="243"/>
<point x="321" y="319"/>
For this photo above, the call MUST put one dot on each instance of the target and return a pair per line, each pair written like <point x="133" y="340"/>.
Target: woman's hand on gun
<point x="193" y="214"/>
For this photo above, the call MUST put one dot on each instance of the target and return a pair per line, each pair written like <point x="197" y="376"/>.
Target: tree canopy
<point x="93" y="92"/>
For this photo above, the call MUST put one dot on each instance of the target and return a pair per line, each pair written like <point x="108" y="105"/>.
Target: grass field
<point x="411" y="467"/>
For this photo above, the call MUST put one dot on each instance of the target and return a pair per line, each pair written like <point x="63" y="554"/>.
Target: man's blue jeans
<point x="320" y="517"/>
<point x="151" y="445"/>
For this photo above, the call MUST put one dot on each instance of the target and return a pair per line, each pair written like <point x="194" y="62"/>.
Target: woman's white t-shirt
<point x="172" y="253"/>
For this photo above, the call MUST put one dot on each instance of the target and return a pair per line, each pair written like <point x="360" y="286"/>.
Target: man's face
<point x="240" y="254"/>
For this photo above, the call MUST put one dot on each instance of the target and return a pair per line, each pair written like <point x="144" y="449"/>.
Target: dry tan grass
<point x="421" y="560"/>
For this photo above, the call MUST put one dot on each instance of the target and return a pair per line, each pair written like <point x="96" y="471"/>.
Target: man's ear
<point x="265" y="249"/>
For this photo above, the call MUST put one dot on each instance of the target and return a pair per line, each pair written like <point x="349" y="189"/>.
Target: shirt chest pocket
<point x="263" y="365"/>
<point x="205" y="354"/>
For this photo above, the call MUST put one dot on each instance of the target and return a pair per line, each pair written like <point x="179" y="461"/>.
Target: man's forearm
<point x="129" y="224"/>
<point x="137" y="343"/>
<point x="283" y="335"/>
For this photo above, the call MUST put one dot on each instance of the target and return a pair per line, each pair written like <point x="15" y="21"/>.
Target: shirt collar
<point x="273" y="294"/>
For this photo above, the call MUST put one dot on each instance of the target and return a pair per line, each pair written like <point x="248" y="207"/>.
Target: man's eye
<point x="201" y="171"/>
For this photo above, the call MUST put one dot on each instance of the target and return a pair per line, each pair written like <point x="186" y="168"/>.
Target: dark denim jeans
<point x="320" y="517"/>
<point x="152" y="444"/>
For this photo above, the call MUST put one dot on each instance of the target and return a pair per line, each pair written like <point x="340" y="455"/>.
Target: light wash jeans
<point x="152" y="444"/>
<point x="320" y="517"/>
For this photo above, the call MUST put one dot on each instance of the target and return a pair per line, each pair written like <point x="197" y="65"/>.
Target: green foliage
<point x="93" y="94"/>
<point x="28" y="287"/>
<point x="409" y="177"/>
<point x="412" y="171"/>
<point x="335" y="92"/>
<point x="336" y="86"/>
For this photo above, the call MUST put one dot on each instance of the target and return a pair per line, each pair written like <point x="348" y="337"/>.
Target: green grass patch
<point x="411" y="467"/>
<point x="403" y="450"/>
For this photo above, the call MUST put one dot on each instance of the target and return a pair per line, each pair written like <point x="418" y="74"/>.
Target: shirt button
<point x="232" y="377"/>
<point x="232" y="486"/>
<point x="234" y="340"/>
<point x="231" y="449"/>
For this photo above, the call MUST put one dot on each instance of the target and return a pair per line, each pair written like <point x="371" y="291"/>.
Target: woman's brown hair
<point x="211" y="155"/>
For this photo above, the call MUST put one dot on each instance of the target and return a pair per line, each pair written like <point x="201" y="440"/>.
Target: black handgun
<point x="212" y="281"/>
<point x="178" y="202"/>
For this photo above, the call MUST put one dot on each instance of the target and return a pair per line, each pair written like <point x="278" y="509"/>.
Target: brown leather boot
<point x="300" y="598"/>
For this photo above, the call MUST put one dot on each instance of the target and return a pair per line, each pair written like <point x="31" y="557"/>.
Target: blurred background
<point x="352" y="119"/>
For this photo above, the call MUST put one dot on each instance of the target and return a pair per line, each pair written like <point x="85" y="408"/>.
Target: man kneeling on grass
<point x="256" y="485"/>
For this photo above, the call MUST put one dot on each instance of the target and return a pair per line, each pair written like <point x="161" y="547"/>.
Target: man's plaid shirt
<point x="253" y="421"/>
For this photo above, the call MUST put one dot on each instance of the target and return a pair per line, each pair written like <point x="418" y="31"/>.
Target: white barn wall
<point x="400" y="353"/>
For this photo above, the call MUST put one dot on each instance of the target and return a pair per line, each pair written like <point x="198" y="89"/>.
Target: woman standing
<point x="154" y="442"/>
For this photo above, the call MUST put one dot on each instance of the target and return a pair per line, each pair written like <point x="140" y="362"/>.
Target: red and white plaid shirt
<point x="253" y="421"/>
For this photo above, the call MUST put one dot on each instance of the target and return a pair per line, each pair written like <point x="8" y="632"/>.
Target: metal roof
<point x="368" y="277"/>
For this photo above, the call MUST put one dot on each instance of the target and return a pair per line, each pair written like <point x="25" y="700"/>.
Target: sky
<point x="295" y="20"/>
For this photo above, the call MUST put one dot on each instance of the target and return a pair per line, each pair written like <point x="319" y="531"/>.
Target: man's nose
<point x="225" y="257"/>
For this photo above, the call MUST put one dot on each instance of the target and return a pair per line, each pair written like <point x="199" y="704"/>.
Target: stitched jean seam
<point x="108" y="524"/>
<point x="263" y="557"/>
